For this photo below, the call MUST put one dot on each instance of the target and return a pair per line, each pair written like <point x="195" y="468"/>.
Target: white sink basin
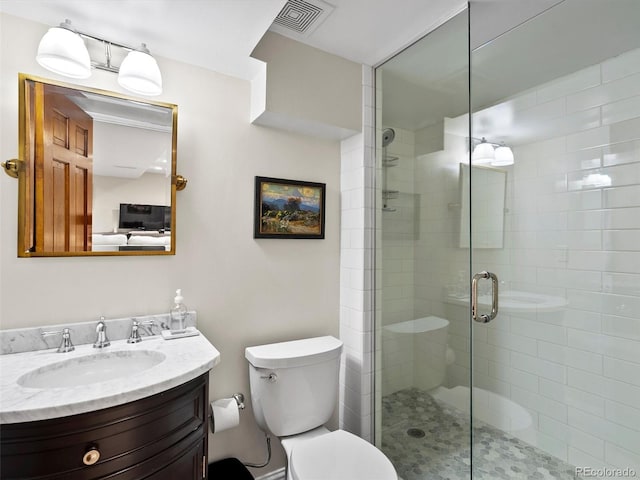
<point x="43" y="384"/>
<point x="100" y="367"/>
<point x="518" y="301"/>
<point x="513" y="301"/>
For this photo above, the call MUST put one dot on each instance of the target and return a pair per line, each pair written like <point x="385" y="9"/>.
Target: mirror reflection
<point x="488" y="190"/>
<point x="97" y="172"/>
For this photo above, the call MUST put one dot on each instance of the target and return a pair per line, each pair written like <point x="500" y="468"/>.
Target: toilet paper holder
<point x="239" y="399"/>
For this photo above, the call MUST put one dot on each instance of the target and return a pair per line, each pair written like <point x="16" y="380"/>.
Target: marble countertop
<point x="186" y="359"/>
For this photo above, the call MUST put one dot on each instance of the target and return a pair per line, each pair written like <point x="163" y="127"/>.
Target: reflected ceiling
<point x="578" y="34"/>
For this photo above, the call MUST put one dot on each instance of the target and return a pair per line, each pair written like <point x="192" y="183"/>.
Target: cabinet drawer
<point x="125" y="435"/>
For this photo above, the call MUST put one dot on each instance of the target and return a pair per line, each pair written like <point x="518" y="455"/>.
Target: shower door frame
<point x="379" y="204"/>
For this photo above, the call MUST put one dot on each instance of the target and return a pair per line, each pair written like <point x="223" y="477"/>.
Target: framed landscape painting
<point x="288" y="209"/>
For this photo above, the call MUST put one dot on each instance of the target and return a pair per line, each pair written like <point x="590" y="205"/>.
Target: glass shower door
<point x="556" y="374"/>
<point x="543" y="192"/>
<point x="422" y="266"/>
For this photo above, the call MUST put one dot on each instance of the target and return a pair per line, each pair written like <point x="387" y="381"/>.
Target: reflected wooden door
<point x="63" y="173"/>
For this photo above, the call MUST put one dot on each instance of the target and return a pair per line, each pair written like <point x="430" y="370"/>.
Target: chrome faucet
<point x="65" y="344"/>
<point x="134" y="336"/>
<point x="137" y="327"/>
<point x="101" y="335"/>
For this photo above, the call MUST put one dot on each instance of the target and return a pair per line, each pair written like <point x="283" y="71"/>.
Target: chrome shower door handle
<point x="484" y="318"/>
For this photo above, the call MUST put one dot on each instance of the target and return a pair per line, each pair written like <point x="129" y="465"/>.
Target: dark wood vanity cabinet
<point x="162" y="437"/>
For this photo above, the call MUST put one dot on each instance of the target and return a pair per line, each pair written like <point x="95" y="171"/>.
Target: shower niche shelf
<point x="389" y="161"/>
<point x="390" y="194"/>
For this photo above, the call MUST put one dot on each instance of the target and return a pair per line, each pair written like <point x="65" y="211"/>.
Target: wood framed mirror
<point x="97" y="172"/>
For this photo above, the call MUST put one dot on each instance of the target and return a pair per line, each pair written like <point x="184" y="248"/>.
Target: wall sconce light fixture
<point x="63" y="51"/>
<point x="504" y="156"/>
<point x="497" y="154"/>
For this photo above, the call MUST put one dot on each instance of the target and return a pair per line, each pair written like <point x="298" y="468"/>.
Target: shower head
<point x="388" y="134"/>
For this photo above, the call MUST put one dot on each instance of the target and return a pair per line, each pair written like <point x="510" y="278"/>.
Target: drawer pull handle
<point x="91" y="457"/>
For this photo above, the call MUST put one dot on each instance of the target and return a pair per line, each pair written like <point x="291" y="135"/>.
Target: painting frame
<point x="293" y="209"/>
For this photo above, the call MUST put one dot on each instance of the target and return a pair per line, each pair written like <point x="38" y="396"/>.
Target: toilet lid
<point x="339" y="455"/>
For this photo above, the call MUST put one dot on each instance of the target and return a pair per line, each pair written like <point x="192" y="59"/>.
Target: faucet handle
<point x="65" y="345"/>
<point x="147" y="326"/>
<point x="134" y="337"/>
<point x="101" y="335"/>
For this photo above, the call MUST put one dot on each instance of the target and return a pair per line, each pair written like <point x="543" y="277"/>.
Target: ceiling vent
<point x="299" y="18"/>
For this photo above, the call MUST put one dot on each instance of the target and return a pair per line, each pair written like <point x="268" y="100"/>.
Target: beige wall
<point x="310" y="85"/>
<point x="246" y="291"/>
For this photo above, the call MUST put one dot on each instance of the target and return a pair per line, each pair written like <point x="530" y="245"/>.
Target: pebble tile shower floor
<point x="443" y="453"/>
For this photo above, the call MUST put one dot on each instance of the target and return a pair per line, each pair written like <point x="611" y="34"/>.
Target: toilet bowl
<point x="294" y="388"/>
<point x="422" y="341"/>
<point x="337" y="455"/>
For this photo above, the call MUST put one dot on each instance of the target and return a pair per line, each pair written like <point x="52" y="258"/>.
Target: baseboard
<point x="279" y="474"/>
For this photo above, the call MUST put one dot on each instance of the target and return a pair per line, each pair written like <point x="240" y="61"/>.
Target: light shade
<point x="503" y="156"/>
<point x="140" y="74"/>
<point x="63" y="51"/>
<point x="483" y="152"/>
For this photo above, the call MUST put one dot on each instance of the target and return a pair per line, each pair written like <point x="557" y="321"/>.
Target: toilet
<point x="422" y="341"/>
<point x="294" y="387"/>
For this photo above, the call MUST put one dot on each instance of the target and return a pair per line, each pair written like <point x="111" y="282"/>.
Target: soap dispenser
<point x="178" y="314"/>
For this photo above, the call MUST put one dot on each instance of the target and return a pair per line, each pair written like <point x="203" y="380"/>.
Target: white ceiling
<point x="220" y="34"/>
<point x="370" y="31"/>
<point x="215" y="34"/>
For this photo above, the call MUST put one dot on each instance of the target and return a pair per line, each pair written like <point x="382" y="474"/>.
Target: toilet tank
<point x="294" y="385"/>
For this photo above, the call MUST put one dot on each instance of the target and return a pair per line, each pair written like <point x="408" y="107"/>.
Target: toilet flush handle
<point x="272" y="377"/>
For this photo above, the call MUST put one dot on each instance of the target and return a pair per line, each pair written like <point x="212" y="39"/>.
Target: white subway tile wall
<point x="572" y="230"/>
<point x="398" y="237"/>
<point x="574" y="225"/>
<point x="356" y="271"/>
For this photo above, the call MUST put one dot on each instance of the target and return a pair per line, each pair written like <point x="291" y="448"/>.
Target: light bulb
<point x="483" y="152"/>
<point x="140" y="74"/>
<point x="503" y="156"/>
<point x="63" y="51"/>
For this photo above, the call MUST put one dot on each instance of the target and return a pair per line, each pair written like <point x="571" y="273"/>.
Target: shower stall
<point x="507" y="296"/>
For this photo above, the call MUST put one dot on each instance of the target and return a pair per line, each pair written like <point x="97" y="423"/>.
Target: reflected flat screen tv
<point x="144" y="217"/>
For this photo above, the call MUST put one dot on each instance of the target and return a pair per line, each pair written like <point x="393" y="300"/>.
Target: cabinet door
<point x="189" y="465"/>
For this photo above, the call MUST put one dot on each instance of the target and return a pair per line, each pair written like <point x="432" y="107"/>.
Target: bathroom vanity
<point x="159" y="437"/>
<point x="128" y="411"/>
